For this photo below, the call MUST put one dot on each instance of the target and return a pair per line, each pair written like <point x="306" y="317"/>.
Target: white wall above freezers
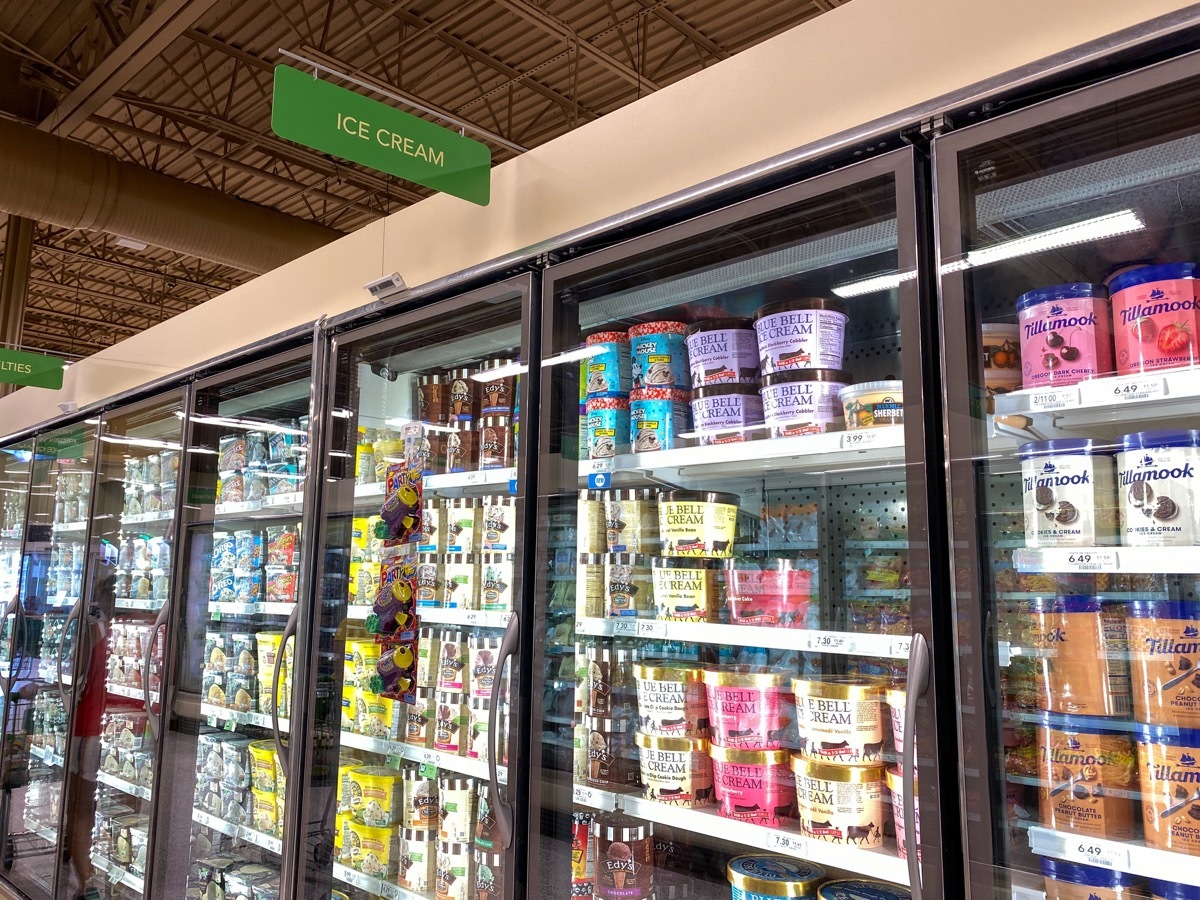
<point x="857" y="64"/>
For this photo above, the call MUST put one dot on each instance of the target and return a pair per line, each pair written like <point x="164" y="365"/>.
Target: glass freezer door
<point x="47" y="628"/>
<point x="1069" y="237"/>
<point x="732" y="647"/>
<point x="123" y="614"/>
<point x="415" y="657"/>
<point x="218" y="829"/>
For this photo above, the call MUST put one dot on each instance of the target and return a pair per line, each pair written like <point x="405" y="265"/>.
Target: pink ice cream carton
<point x="773" y="592"/>
<point x="750" y="707"/>
<point x="1066" y="335"/>
<point x="754" y="785"/>
<point x="1155" y="318"/>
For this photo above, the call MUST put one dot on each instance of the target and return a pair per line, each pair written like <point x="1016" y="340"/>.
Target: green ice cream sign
<point x="337" y="121"/>
<point x="33" y="369"/>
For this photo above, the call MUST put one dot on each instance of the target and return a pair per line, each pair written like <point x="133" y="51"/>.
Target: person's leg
<point x="81" y="818"/>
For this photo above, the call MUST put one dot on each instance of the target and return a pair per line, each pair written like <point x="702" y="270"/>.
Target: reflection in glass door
<point x="47" y="629"/>
<point x="219" y="825"/>
<point x="1070" y="234"/>
<point x="123" y="615"/>
<point x="737" y="601"/>
<point x="408" y="793"/>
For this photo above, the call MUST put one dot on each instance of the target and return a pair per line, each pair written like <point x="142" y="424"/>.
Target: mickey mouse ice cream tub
<point x="659" y="355"/>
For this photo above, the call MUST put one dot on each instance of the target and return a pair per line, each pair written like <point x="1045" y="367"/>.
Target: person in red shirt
<point x="85" y="741"/>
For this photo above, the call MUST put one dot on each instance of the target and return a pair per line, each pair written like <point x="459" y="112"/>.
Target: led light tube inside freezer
<point x="1098" y="228"/>
<point x="573" y="356"/>
<point x="501" y="372"/>
<point x="873" y="284"/>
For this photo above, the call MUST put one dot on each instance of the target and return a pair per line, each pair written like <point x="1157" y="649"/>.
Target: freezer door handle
<point x="504" y="809"/>
<point x="289" y="631"/>
<point x="160" y="622"/>
<point x="918" y="680"/>
<point x="13" y="609"/>
<point x="73" y="614"/>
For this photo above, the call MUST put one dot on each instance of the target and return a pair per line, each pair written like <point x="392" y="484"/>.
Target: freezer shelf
<point x="133" y="603"/>
<point x="840" y="642"/>
<point x="874" y="863"/>
<point x="1117" y="560"/>
<point x="241" y="832"/>
<point x="133" y="693"/>
<point x="475" y="768"/>
<point x="450" y="484"/>
<point x="1122" y="400"/>
<point x="46" y="755"/>
<point x="116" y="874"/>
<point x="371" y="885"/>
<point x="1145" y="861"/>
<point x="125" y="787"/>
<point x="818" y="454"/>
<point x="262" y="720"/>
<point x="432" y="615"/>
<point x="218" y="608"/>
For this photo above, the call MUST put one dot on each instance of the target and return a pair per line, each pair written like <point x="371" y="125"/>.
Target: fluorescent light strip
<point x="249" y="425"/>
<point x="1096" y="229"/>
<point x="873" y="284"/>
<point x="500" y="372"/>
<point x="573" y="355"/>
<point x="139" y="442"/>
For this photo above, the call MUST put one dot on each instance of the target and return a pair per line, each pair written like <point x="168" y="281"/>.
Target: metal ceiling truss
<point x="183" y="87"/>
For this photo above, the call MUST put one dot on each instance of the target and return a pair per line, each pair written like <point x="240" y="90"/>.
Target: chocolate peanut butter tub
<point x="1164" y="653"/>
<point x="1169" y="774"/>
<point x="1088" y="777"/>
<point x="1082" y="666"/>
<point x="1074" y="881"/>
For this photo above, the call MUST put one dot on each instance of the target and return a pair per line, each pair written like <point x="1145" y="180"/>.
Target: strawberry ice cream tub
<point x="807" y="333"/>
<point x="659" y="355"/>
<point x="1155" y="317"/>
<point x="754" y="785"/>
<point x="1065" y="334"/>
<point x="750" y="707"/>
<point x="768" y="592"/>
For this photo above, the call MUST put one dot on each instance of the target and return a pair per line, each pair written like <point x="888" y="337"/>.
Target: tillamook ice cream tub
<point x="671" y="701"/>
<point x="750" y="707"/>
<point x="722" y="351"/>
<point x="840" y="718"/>
<point x="697" y="523"/>
<point x="1159" y="477"/>
<point x="762" y="877"/>
<point x="806" y="333"/>
<point x="1081" y="665"/>
<point x="1169" y="773"/>
<point x="1068" y="493"/>
<point x="844" y="804"/>
<point x="675" y="770"/>
<point x="1155" y="318"/>
<point x="685" y="588"/>
<point x="1073" y="881"/>
<point x="754" y="785"/>
<point x="1065" y="334"/>
<point x="1088" y="776"/>
<point x="1164" y="653"/>
<point x="1173" y="890"/>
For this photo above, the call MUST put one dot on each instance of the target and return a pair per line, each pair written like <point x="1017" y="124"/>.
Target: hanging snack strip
<point x="393" y="618"/>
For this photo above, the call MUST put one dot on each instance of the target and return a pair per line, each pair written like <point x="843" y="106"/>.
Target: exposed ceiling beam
<point x="215" y="159"/>
<point x="66" y="293"/>
<point x="697" y="37"/>
<point x="478" y="55"/>
<point x="567" y="34"/>
<point x="134" y="270"/>
<point x="89" y="320"/>
<point x="167" y="22"/>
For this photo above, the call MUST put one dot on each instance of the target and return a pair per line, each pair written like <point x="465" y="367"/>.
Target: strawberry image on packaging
<point x="1065" y="334"/>
<point x="1155" y="318"/>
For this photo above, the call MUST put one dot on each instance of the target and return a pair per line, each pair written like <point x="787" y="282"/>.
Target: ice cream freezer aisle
<point x="749" y="569"/>
<point x="425" y="415"/>
<point x="1072" y="416"/>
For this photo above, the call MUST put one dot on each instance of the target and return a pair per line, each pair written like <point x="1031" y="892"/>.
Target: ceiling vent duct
<point x="61" y="182"/>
